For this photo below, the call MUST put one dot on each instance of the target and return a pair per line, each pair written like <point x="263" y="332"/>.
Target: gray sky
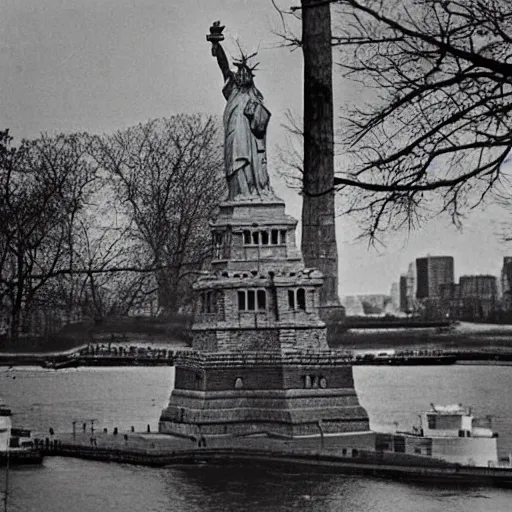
<point x="103" y="65"/>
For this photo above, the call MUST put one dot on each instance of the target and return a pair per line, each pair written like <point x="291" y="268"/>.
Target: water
<point x="134" y="396"/>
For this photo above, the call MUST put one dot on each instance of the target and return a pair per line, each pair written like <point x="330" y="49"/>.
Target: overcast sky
<point x="103" y="65"/>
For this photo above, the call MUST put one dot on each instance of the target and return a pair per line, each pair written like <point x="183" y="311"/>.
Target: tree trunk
<point x="318" y="228"/>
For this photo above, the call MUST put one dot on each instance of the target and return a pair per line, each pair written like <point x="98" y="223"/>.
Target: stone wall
<point x="270" y="428"/>
<point x="261" y="363"/>
<point x="204" y="341"/>
<point x="259" y="339"/>
<point x="248" y="340"/>
<point x="280" y="398"/>
<point x="272" y="399"/>
<point x="262" y="377"/>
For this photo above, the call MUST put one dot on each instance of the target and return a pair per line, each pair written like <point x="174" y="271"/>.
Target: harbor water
<point x="125" y="397"/>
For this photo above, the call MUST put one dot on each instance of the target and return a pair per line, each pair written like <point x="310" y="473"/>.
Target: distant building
<point x="371" y="304"/>
<point x="353" y="305"/>
<point x="411" y="288"/>
<point x="431" y="273"/>
<point x="506" y="283"/>
<point x="375" y="303"/>
<point x="396" y="297"/>
<point x="481" y="286"/>
<point x="404" y="303"/>
<point x="475" y="298"/>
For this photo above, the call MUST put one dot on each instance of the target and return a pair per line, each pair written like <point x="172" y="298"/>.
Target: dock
<point x="332" y="454"/>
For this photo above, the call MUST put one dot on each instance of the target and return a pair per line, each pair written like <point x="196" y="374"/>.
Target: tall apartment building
<point x="410" y="291"/>
<point x="431" y="273"/>
<point x="481" y="286"/>
<point x="402" y="287"/>
<point x="473" y="299"/>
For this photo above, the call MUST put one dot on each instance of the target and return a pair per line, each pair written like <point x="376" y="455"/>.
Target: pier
<point x="336" y="454"/>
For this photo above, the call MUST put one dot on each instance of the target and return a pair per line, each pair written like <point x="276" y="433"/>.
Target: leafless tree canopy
<point x="45" y="185"/>
<point x="430" y="128"/>
<point x="99" y="226"/>
<point x="439" y="118"/>
<point x="168" y="179"/>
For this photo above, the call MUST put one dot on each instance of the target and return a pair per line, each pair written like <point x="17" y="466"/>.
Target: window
<point x="461" y="433"/>
<point x="431" y="421"/>
<point x="291" y="299"/>
<point x="252" y="300"/>
<point x="217" y="244"/>
<point x="251" y="303"/>
<point x="208" y="303"/>
<point x="297" y="299"/>
<point x="262" y="299"/>
<point x="241" y="300"/>
<point x="272" y="237"/>
<point x="301" y="299"/>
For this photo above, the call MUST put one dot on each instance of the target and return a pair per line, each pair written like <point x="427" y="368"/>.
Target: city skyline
<point x="117" y="67"/>
<point x="456" y="278"/>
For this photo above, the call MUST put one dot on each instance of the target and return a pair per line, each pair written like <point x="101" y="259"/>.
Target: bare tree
<point x="429" y="130"/>
<point x="45" y="184"/>
<point x="168" y="177"/>
<point x="111" y="269"/>
<point x="438" y="124"/>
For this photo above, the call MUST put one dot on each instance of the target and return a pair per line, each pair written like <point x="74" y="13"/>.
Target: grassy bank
<point x="422" y="339"/>
<point x="126" y="329"/>
<point x="176" y="330"/>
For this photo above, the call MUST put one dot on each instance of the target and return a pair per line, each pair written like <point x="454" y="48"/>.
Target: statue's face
<point x="243" y="76"/>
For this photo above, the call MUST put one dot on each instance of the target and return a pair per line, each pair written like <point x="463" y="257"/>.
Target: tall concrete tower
<point x="431" y="273"/>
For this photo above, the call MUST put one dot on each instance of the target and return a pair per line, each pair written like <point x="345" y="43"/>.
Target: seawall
<point x="348" y="455"/>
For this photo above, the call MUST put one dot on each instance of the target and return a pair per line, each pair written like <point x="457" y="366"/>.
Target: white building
<point x="457" y="436"/>
<point x="5" y="428"/>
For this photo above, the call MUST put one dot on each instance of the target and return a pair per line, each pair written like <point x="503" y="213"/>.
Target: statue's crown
<point x="243" y="62"/>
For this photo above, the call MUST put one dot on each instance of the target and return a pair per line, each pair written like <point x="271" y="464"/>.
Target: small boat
<point x="450" y="433"/>
<point x="16" y="444"/>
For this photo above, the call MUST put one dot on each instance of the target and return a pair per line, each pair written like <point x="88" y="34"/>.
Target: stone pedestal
<point x="292" y="394"/>
<point x="260" y="361"/>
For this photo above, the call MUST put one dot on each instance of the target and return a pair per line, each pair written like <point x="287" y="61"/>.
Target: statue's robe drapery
<point x="245" y="155"/>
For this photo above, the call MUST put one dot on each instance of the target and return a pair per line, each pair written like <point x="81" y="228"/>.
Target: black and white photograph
<point x="256" y="255"/>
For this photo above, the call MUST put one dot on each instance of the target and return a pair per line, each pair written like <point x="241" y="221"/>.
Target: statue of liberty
<point x="245" y="126"/>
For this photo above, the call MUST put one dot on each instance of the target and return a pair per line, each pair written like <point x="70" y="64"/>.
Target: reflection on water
<point x="135" y="396"/>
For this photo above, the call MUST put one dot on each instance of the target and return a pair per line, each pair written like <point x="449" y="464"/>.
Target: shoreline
<point x="344" y="454"/>
<point x="167" y="357"/>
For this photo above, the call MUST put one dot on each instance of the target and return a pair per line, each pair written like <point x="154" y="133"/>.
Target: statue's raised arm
<point x="215" y="37"/>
